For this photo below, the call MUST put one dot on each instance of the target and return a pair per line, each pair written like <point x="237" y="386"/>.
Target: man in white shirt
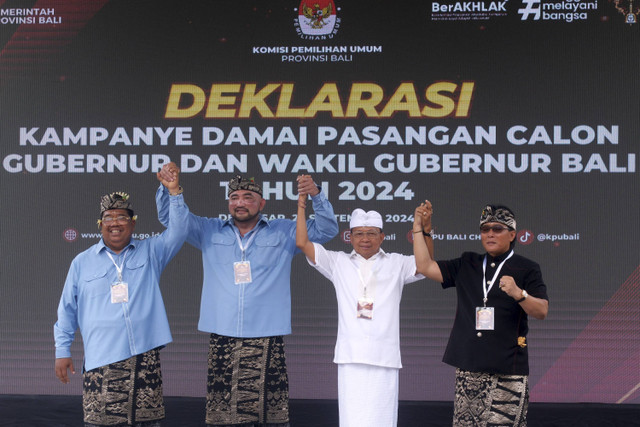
<point x="368" y="283"/>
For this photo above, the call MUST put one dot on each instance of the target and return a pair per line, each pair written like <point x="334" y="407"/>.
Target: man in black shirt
<point x="488" y="341"/>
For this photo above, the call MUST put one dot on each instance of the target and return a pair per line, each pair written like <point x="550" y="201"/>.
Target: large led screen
<point x="528" y="103"/>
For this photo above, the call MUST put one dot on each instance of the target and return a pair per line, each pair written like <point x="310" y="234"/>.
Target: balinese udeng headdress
<point x="117" y="200"/>
<point x="500" y="214"/>
<point x="240" y="183"/>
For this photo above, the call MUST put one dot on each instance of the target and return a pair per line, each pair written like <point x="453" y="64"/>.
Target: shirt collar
<point x="262" y="219"/>
<point x="499" y="258"/>
<point x="380" y="253"/>
<point x="101" y="246"/>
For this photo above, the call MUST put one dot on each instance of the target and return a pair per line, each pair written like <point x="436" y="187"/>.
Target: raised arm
<point x="324" y="226"/>
<point x="171" y="240"/>
<point x="302" y="238"/>
<point x="423" y="254"/>
<point x="169" y="177"/>
<point x="426" y="226"/>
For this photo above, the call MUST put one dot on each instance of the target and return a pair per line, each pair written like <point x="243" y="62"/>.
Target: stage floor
<point x="66" y="411"/>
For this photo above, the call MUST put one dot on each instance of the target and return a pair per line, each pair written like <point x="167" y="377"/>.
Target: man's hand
<point x="425" y="218"/>
<point x="508" y="286"/>
<point x="62" y="366"/>
<point x="307" y="186"/>
<point x="535" y="307"/>
<point x="422" y="217"/>
<point x="169" y="176"/>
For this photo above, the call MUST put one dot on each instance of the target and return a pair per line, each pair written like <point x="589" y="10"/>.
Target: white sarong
<point x="367" y="395"/>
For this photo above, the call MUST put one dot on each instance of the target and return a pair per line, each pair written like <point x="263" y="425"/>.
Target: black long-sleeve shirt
<point x="490" y="351"/>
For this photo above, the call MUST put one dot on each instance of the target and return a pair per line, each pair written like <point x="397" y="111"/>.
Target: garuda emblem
<point x="317" y="17"/>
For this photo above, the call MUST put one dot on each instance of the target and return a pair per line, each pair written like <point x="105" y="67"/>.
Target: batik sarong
<point x="125" y="393"/>
<point x="247" y="381"/>
<point x="487" y="400"/>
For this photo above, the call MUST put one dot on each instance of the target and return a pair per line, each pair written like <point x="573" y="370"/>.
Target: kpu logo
<point x="317" y="20"/>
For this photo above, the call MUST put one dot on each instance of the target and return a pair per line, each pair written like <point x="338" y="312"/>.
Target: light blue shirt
<point x="261" y="308"/>
<point x="112" y="332"/>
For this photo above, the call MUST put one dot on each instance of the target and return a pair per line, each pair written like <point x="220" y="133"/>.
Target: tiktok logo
<point x="525" y="237"/>
<point x="531" y="7"/>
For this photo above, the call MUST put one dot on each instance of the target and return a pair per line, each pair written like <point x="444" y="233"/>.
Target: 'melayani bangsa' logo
<point x="317" y="20"/>
<point x="557" y="10"/>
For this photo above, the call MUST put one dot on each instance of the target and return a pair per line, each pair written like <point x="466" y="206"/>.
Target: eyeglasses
<point x="120" y="219"/>
<point x="368" y="234"/>
<point x="495" y="228"/>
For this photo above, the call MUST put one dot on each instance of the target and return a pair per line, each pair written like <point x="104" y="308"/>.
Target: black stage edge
<point x="66" y="411"/>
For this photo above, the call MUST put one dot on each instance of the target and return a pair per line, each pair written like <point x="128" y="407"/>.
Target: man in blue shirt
<point x="112" y="295"/>
<point x="246" y="299"/>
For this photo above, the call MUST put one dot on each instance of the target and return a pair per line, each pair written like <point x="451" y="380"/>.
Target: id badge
<point x="242" y="272"/>
<point x="485" y="318"/>
<point x="119" y="292"/>
<point x="365" y="309"/>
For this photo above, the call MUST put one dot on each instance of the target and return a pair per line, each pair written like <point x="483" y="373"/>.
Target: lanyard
<point x="369" y="277"/>
<point x="119" y="269"/>
<point x="484" y="272"/>
<point x="239" y="239"/>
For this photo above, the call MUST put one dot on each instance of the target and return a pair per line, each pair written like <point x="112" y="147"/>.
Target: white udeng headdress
<point x="360" y="218"/>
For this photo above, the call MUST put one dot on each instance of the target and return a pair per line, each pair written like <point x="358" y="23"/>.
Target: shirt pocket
<point x="96" y="284"/>
<point x="270" y="248"/>
<point x="221" y="248"/>
<point x="132" y="272"/>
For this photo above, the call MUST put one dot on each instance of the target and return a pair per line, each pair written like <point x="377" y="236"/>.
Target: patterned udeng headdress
<point x="118" y="200"/>
<point x="500" y="214"/>
<point x="240" y="183"/>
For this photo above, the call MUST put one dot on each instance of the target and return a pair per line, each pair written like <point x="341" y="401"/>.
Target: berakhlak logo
<point x="346" y="236"/>
<point x="531" y="7"/>
<point x="317" y="18"/>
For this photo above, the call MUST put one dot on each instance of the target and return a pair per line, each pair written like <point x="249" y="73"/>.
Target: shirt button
<point x="479" y="334"/>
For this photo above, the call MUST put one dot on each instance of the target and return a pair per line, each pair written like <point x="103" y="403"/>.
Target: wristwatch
<point x="524" y="296"/>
